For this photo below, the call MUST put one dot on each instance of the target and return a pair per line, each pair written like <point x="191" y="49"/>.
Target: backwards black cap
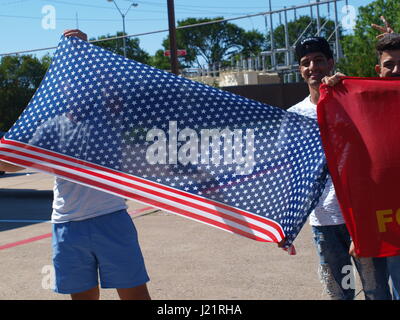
<point x="313" y="44"/>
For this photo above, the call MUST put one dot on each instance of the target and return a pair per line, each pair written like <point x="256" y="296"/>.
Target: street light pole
<point x="124" y="33"/>
<point x="123" y="15"/>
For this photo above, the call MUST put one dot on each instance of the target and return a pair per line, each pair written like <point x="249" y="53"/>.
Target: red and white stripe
<point x="176" y="201"/>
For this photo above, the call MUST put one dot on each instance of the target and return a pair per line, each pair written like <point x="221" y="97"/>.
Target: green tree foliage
<point x="19" y="78"/>
<point x="359" y="48"/>
<point x="214" y="42"/>
<point x="133" y="50"/>
<point x="160" y="61"/>
<point x="253" y="42"/>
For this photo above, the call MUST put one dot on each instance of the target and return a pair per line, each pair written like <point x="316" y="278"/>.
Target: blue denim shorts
<point x="104" y="247"/>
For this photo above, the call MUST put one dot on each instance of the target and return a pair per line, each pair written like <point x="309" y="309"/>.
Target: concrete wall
<point x="277" y="95"/>
<point x="247" y="78"/>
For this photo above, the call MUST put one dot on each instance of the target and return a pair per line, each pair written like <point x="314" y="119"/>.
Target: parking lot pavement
<point x="186" y="260"/>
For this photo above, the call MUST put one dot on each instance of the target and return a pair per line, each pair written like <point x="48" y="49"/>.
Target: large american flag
<point x="129" y="129"/>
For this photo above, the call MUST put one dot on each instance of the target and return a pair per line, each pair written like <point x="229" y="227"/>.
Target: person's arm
<point x="8" y="167"/>
<point x="76" y="33"/>
<point x="352" y="250"/>
<point x="336" y="78"/>
<point x="385" y="30"/>
<point x="281" y="243"/>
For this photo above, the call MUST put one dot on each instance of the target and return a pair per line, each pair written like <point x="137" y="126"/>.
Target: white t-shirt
<point x="327" y="212"/>
<point x="74" y="202"/>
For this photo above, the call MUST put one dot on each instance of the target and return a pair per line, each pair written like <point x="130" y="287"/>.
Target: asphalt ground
<point x="185" y="259"/>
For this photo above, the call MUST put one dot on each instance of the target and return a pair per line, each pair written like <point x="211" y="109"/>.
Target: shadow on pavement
<point x="15" y="174"/>
<point x="25" y="205"/>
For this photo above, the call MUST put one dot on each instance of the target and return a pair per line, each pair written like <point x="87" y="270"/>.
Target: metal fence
<point x="267" y="61"/>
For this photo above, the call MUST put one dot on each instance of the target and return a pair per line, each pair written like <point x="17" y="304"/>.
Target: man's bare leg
<point x="91" y="294"/>
<point x="135" y="293"/>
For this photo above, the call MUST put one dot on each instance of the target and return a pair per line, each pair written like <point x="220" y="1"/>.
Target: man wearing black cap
<point x="331" y="237"/>
<point x="315" y="62"/>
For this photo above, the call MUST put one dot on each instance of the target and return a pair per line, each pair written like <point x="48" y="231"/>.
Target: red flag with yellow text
<point x="360" y="127"/>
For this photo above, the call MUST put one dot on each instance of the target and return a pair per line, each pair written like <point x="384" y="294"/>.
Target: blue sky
<point x="21" y="21"/>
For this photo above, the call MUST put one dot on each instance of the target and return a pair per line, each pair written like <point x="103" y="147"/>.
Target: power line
<point x="80" y="19"/>
<point x="158" y="4"/>
<point x="73" y="19"/>
<point x="177" y="9"/>
<point x="181" y="27"/>
<point x="81" y="4"/>
<point x="148" y="11"/>
<point x="13" y="2"/>
<point x="138" y="34"/>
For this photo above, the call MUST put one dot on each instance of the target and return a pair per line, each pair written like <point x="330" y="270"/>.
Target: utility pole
<point x="172" y="37"/>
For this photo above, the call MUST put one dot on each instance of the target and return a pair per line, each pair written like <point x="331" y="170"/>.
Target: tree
<point x="133" y="50"/>
<point x="160" y="61"/>
<point x="214" y="42"/>
<point x="253" y="42"/>
<point x="359" y="48"/>
<point x="19" y="78"/>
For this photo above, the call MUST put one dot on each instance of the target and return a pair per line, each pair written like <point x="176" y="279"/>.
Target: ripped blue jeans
<point x="333" y="243"/>
<point x="393" y="264"/>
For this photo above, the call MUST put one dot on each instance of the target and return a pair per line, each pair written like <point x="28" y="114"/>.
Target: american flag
<point x="132" y="130"/>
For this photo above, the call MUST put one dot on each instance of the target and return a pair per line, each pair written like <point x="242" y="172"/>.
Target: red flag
<point x="360" y="127"/>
